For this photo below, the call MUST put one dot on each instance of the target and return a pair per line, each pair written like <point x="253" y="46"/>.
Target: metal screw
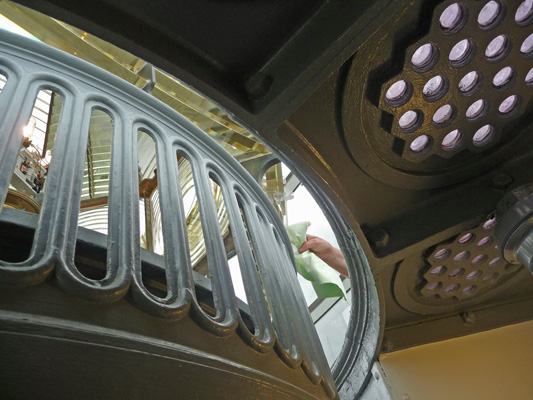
<point x="386" y="345"/>
<point x="379" y="237"/>
<point x="258" y="85"/>
<point x="469" y="318"/>
<point x="501" y="180"/>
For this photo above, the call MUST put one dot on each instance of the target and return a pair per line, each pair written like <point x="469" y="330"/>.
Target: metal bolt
<point x="501" y="180"/>
<point x="469" y="318"/>
<point x="506" y="205"/>
<point x="379" y="237"/>
<point x="258" y="85"/>
<point x="386" y="345"/>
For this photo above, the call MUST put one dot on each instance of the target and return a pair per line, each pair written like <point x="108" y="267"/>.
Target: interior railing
<point x="280" y="319"/>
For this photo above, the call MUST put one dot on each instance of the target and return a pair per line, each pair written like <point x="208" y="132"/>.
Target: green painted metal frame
<point x="283" y="325"/>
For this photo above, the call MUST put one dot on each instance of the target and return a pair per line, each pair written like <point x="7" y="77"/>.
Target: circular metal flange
<point x="456" y="274"/>
<point x="467" y="87"/>
<point x="515" y="231"/>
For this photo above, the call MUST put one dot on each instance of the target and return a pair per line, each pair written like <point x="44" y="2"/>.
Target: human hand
<point x="325" y="251"/>
<point x="318" y="246"/>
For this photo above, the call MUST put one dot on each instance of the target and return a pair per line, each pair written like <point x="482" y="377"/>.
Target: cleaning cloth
<point x="326" y="281"/>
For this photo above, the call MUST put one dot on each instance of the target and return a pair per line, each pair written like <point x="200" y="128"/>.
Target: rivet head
<point x="502" y="180"/>
<point x="469" y="318"/>
<point x="258" y="85"/>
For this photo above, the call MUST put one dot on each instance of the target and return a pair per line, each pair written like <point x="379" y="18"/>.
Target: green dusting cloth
<point x="326" y="281"/>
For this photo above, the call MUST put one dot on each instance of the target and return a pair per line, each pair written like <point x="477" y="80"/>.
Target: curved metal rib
<point x="180" y="286"/>
<point x="264" y="338"/>
<point x="120" y="255"/>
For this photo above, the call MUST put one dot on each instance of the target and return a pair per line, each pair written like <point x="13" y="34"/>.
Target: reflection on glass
<point x="331" y="315"/>
<point x="150" y="211"/>
<point x="332" y="326"/>
<point x="273" y="185"/>
<point x="27" y="183"/>
<point x="192" y="214"/>
<point x="95" y="189"/>
<point x="28" y="178"/>
<point x="302" y="207"/>
<point x="236" y="278"/>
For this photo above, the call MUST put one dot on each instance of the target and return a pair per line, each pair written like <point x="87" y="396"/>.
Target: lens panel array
<point x="467" y="267"/>
<point x="464" y="81"/>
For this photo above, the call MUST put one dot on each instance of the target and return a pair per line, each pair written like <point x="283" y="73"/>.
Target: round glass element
<point x="452" y="140"/>
<point x="462" y="256"/>
<point x="484" y="241"/>
<point x="508" y="104"/>
<point x="529" y="76"/>
<point x="527" y="45"/>
<point x="465" y="238"/>
<point x="469" y="81"/>
<point x="503" y="77"/>
<point x="443" y="114"/>
<point x="489" y="13"/>
<point x="490" y="223"/>
<point x="419" y="144"/>
<point x="483" y="135"/>
<point x="460" y="51"/>
<point x="441" y="269"/>
<point x="474" y="275"/>
<point x="524" y="11"/>
<point x="476" y="109"/>
<point x="469" y="289"/>
<point x="495" y="261"/>
<point x="496" y="46"/>
<point x="479" y="259"/>
<point x="434" y="87"/>
<point x="423" y="55"/>
<point x="491" y="276"/>
<point x="408" y="119"/>
<point x="397" y="91"/>
<point x="434" y="286"/>
<point x="457" y="272"/>
<point x="451" y="17"/>
<point x="442" y="254"/>
<point x="452" y="288"/>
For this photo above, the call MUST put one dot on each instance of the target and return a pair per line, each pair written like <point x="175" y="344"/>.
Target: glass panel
<point x="150" y="210"/>
<point x="273" y="185"/>
<point x="95" y="189"/>
<point x="302" y="207"/>
<point x="27" y="182"/>
<point x="94" y="211"/>
<point x="222" y="214"/>
<point x="151" y="226"/>
<point x="332" y="327"/>
<point x="236" y="278"/>
<point x="26" y="189"/>
<point x="192" y="215"/>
